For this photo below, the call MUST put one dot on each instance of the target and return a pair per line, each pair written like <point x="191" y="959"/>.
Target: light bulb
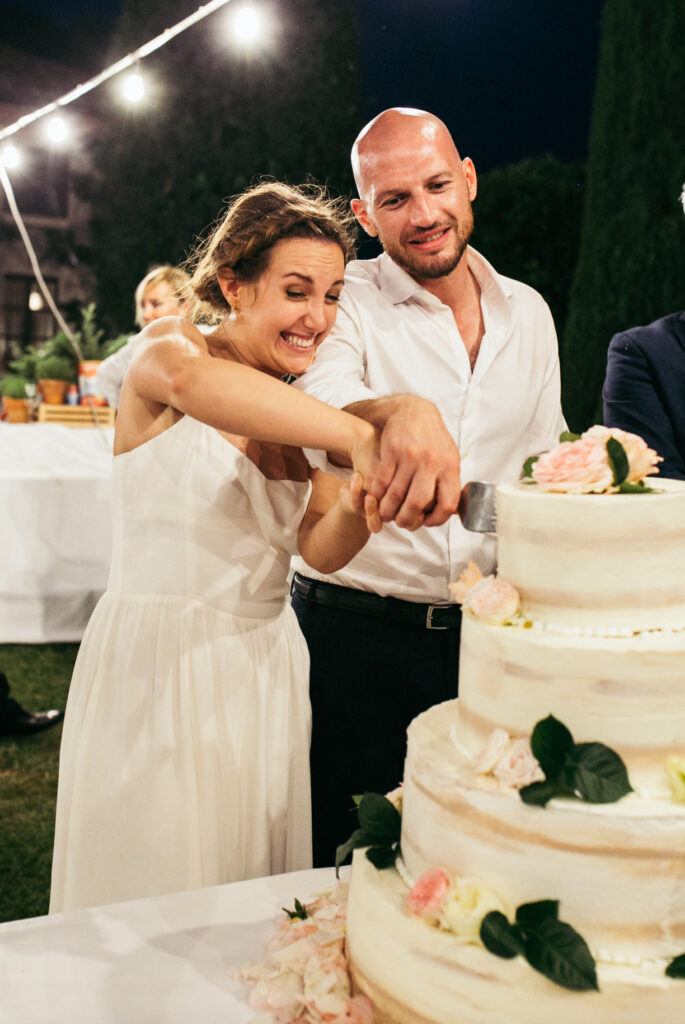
<point x="247" y="24"/>
<point x="57" y="129"/>
<point x="133" y="87"/>
<point x="11" y="157"/>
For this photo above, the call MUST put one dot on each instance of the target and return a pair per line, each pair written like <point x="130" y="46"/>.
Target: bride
<point x="185" y="754"/>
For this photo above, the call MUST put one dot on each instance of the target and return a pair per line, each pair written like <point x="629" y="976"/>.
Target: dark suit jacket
<point x="644" y="389"/>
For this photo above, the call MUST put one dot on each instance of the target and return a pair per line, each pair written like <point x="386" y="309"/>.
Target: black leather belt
<point x="427" y="616"/>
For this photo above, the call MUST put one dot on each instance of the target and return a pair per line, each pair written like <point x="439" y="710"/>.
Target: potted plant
<point x="55" y="374"/>
<point x="14" y="401"/>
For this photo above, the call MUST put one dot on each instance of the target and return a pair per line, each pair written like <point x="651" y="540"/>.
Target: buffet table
<point x="55" y="536"/>
<point x="168" y="959"/>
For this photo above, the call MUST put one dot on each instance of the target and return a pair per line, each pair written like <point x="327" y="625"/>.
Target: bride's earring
<point x="233" y="315"/>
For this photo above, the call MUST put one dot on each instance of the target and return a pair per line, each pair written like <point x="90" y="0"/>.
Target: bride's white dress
<point x="185" y="752"/>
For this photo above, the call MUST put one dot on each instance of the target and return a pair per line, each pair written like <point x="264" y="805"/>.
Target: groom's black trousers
<point x="371" y="673"/>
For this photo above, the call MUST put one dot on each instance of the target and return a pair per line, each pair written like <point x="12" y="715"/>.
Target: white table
<point x="167" y="960"/>
<point x="55" y="529"/>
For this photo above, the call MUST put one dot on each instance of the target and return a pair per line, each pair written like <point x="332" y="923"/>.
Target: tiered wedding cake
<point x="599" y="644"/>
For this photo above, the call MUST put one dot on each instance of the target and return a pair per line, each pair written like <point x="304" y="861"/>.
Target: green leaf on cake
<point x="380" y="828"/>
<point x="379" y="820"/>
<point x="530" y="915"/>
<point x="500" y="937"/>
<point x="550" y="946"/>
<point x="638" y="488"/>
<point x="345" y="849"/>
<point x="538" y="794"/>
<point x="527" y="471"/>
<point x="382" y="856"/>
<point x="551" y="743"/>
<point x="596" y="773"/>
<point x="587" y="771"/>
<point x="676" y="968"/>
<point x="556" y="950"/>
<point x="618" y="460"/>
<point x="568" y="435"/>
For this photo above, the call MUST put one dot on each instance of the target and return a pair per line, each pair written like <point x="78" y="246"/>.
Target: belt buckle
<point x="429" y="616"/>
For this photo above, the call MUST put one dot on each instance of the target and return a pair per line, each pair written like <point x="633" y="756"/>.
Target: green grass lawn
<point x="39" y="677"/>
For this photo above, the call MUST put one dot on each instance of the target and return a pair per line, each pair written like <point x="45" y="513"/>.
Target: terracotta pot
<point x="53" y="391"/>
<point x="17" y="409"/>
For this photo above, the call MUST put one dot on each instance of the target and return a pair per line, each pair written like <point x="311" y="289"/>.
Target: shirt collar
<point x="399" y="286"/>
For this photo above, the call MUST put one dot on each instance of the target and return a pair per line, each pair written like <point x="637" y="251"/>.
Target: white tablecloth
<point x="55" y="529"/>
<point x="167" y="960"/>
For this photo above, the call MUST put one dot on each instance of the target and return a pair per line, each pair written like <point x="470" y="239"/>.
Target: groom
<point x="460" y="366"/>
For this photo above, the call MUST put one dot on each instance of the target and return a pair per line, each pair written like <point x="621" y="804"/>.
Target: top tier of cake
<point x="605" y="563"/>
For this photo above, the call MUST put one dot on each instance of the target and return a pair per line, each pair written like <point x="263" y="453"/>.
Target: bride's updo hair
<point x="254" y="223"/>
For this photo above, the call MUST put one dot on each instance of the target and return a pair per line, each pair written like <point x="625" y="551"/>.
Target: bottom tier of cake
<point x="416" y="974"/>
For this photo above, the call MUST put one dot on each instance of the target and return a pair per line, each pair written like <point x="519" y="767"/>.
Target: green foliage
<point x="90" y="336"/>
<point x="13" y="386"/>
<point x="588" y="771"/>
<point x="54" y="367"/>
<point x="527" y="218"/>
<point x="299" y="913"/>
<point x="676" y="968"/>
<point x="89" y="340"/>
<point x="380" y="827"/>
<point x="26" y="365"/>
<point x="631" y="265"/>
<point x="114" y="345"/>
<point x="550" y="946"/>
<point x="224" y="118"/>
<point x="39" y="678"/>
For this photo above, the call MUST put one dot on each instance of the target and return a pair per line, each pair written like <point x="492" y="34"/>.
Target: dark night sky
<point x="511" y="78"/>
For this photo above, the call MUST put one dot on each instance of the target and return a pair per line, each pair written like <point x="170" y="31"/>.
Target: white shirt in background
<point x="392" y="336"/>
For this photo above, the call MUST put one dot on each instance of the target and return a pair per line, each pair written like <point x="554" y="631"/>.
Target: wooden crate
<point x="77" y="415"/>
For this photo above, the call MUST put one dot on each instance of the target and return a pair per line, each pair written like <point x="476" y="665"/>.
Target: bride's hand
<point x="354" y="499"/>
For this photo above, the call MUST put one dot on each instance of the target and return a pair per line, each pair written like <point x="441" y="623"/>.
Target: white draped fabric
<point x="55" y="529"/>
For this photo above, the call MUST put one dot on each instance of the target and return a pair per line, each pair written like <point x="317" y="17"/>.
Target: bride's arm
<point x="172" y="367"/>
<point x="337" y="522"/>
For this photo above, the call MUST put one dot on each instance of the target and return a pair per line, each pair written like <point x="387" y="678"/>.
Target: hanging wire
<point x="115" y="69"/>
<point x="14" y="210"/>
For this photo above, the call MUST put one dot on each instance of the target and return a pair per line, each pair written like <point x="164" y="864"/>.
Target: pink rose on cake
<point x="584" y="465"/>
<point x="489" y="598"/>
<point x="642" y="460"/>
<point x="456" y="905"/>
<point x="575" y="467"/>
<point x="427" y="894"/>
<point x="510" y="761"/>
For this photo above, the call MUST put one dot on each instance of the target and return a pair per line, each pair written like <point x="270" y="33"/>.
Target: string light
<point x="11" y="157"/>
<point x="246" y="24"/>
<point x="35" y="301"/>
<point x="133" y="87"/>
<point x="115" y="69"/>
<point x="57" y="130"/>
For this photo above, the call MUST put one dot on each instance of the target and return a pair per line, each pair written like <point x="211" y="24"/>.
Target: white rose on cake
<point x="489" y="598"/>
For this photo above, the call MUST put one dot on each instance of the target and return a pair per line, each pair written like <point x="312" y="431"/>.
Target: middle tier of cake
<point x="624" y="692"/>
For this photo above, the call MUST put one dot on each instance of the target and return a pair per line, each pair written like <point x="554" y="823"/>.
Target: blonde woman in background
<point x="162" y="292"/>
<point x="185" y="753"/>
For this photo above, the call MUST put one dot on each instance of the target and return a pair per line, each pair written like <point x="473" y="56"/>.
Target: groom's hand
<point x="417" y="481"/>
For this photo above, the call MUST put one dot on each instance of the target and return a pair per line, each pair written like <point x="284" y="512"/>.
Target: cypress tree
<point x="631" y="263"/>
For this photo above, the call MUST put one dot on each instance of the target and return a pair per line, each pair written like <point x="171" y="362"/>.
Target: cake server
<point x="476" y="508"/>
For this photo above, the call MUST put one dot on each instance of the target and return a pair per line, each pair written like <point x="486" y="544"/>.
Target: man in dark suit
<point x="644" y="389"/>
<point x="16" y="720"/>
